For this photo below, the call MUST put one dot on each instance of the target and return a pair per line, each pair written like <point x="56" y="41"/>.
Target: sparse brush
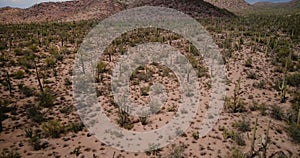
<point x="34" y="114"/>
<point x="234" y="136"/>
<point x="236" y="153"/>
<point x="242" y="125"/>
<point x="277" y="112"/>
<point x="195" y="135"/>
<point x="75" y="127"/>
<point x="52" y="128"/>
<point x="27" y="91"/>
<point x="76" y="151"/>
<point x="144" y="119"/>
<point x="9" y="153"/>
<point x="46" y="99"/>
<point x="294" y="131"/>
<point x="124" y="120"/>
<point x="177" y="151"/>
<point x="153" y="149"/>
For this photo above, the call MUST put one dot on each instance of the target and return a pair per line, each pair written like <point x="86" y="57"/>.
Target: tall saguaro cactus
<point x="283" y="86"/>
<point x="8" y="82"/>
<point x="38" y="77"/>
<point x="1" y="115"/>
<point x="254" y="137"/>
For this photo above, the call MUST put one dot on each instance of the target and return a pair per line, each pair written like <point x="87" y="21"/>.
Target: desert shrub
<point x="3" y="45"/>
<point x="66" y="110"/>
<point x="292" y="113"/>
<point x="177" y="151"/>
<point x="261" y="84"/>
<point x="144" y="119"/>
<point x="46" y="99"/>
<point x="76" y="151"/>
<point x="75" y="127"/>
<point x="34" y="48"/>
<point x="294" y="79"/>
<point x="248" y="62"/>
<point x="277" y="112"/>
<point x="234" y="136"/>
<point x="201" y="71"/>
<point x="242" y="125"/>
<point x="252" y="75"/>
<point x="263" y="109"/>
<point x="67" y="82"/>
<point x="27" y="91"/>
<point x="18" y="51"/>
<point x="294" y="131"/>
<point x="27" y="61"/>
<point x="153" y="149"/>
<point x="101" y="67"/>
<point x="124" y="120"/>
<point x="50" y="62"/>
<point x="34" y="114"/>
<point x="236" y="153"/>
<point x="195" y="135"/>
<point x="234" y="108"/>
<point x="52" y="128"/>
<point x="28" y="133"/>
<point x="19" y="74"/>
<point x="35" y="142"/>
<point x="9" y="154"/>
<point x="145" y="91"/>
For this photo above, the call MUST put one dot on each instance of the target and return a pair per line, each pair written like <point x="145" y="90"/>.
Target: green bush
<point x="294" y="131"/>
<point x="19" y="74"/>
<point x="195" y="135"/>
<point x="242" y="125"/>
<point x="263" y="109"/>
<point x="52" y="128"/>
<point x="177" y="151"/>
<point x="27" y="61"/>
<point x="27" y="91"/>
<point x="18" y="51"/>
<point x="35" y="142"/>
<point x="234" y="136"/>
<point x="235" y="153"/>
<point x="294" y="80"/>
<point x="276" y="112"/>
<point x="3" y="45"/>
<point x="145" y="91"/>
<point x="75" y="127"/>
<point x="50" y="62"/>
<point x="46" y="99"/>
<point x="248" y="62"/>
<point x="34" y="114"/>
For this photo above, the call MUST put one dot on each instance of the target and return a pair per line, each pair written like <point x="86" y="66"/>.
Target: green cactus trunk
<point x="8" y="82"/>
<point x="253" y="138"/>
<point x="38" y="78"/>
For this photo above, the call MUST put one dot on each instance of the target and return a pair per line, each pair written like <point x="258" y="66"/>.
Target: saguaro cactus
<point x="237" y="92"/>
<point x="298" y="118"/>
<point x="8" y="83"/>
<point x="1" y="115"/>
<point x="283" y="86"/>
<point x="254" y="137"/>
<point x="38" y="77"/>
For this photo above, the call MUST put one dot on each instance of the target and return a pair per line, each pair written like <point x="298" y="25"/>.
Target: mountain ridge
<point x="99" y="9"/>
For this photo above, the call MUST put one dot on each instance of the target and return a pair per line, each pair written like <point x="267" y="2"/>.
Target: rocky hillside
<point x="195" y="8"/>
<point x="232" y="5"/>
<point x="292" y="7"/>
<point x="99" y="9"/>
<point x="65" y="11"/>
